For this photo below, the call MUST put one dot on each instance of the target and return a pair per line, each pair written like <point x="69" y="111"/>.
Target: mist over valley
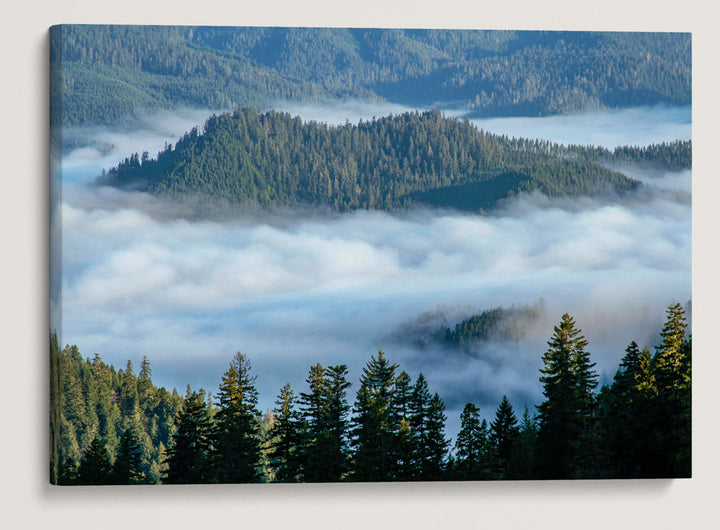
<point x="142" y="276"/>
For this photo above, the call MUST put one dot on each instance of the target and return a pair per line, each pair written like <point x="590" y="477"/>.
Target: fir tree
<point x="671" y="367"/>
<point x="237" y="444"/>
<point x="567" y="416"/>
<point x="374" y="432"/>
<point x="56" y="407"/>
<point x="325" y="411"/>
<point x="503" y="433"/>
<point x="404" y="449"/>
<point x="419" y="409"/>
<point x="522" y="453"/>
<point x="189" y="456"/>
<point x="433" y="467"/>
<point x="127" y="468"/>
<point x="337" y="423"/>
<point x="285" y="438"/>
<point x="468" y="445"/>
<point x="95" y="467"/>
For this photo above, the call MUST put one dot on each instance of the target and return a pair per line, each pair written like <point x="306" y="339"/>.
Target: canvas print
<point x="284" y="254"/>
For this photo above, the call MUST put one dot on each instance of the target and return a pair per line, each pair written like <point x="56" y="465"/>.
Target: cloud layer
<point x="140" y="278"/>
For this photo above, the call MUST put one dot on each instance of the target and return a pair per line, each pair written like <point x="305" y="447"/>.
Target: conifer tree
<point x="470" y="441"/>
<point x="404" y="449"/>
<point x="671" y="366"/>
<point x="285" y="438"/>
<point x="374" y="432"/>
<point x="433" y="467"/>
<point x="127" y="468"/>
<point x="337" y="423"/>
<point x="236" y="440"/>
<point x="189" y="456"/>
<point x="68" y="473"/>
<point x="419" y="409"/>
<point x="325" y="410"/>
<point x="145" y="388"/>
<point x="95" y="467"/>
<point x="628" y="416"/>
<point x="56" y="407"/>
<point x="128" y="391"/>
<point x="504" y="432"/>
<point x="567" y="416"/>
<point x="522" y="453"/>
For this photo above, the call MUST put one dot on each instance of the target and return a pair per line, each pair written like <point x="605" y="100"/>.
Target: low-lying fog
<point x="290" y="290"/>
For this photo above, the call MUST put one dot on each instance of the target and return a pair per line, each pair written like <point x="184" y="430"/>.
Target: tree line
<point x="530" y="73"/>
<point x="112" y="427"/>
<point x="388" y="163"/>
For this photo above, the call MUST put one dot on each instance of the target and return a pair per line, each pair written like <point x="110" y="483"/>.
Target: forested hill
<point x="140" y="68"/>
<point x="388" y="163"/>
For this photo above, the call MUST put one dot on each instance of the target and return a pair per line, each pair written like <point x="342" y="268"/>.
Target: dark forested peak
<point x="393" y="162"/>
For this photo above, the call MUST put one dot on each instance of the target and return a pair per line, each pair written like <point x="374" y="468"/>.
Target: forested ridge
<point x="112" y="74"/>
<point x="387" y="163"/>
<point x="112" y="426"/>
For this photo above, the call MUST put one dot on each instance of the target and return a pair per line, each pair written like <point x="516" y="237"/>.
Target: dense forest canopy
<point x="113" y="426"/>
<point x="110" y="74"/>
<point x="388" y="163"/>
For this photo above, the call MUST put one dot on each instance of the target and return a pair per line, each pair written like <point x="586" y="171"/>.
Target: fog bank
<point x="141" y="276"/>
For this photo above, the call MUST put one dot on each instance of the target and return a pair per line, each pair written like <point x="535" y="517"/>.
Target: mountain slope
<point x="139" y="68"/>
<point x="389" y="163"/>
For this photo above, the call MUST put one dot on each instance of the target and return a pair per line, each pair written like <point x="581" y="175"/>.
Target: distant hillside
<point x="495" y="324"/>
<point x="433" y="329"/>
<point x="108" y="74"/>
<point x="389" y="163"/>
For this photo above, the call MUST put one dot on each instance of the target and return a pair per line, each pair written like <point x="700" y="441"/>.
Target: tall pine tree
<point x="286" y="438"/>
<point x="127" y="468"/>
<point x="672" y="370"/>
<point x="566" y="437"/>
<point x="95" y="467"/>
<point x="504" y="432"/>
<point x="189" y="456"/>
<point x="374" y="428"/>
<point x="237" y="444"/>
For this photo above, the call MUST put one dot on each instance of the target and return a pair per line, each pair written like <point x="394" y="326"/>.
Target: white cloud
<point x="140" y="278"/>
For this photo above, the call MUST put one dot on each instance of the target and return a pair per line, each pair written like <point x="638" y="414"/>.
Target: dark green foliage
<point x="419" y="409"/>
<point x="236" y="440"/>
<point x="637" y="427"/>
<point x="504" y="432"/>
<point x="141" y="68"/>
<point x="521" y="464"/>
<point x="189" y="457"/>
<point x="56" y="408"/>
<point x="95" y="467"/>
<point x="286" y="439"/>
<point x="673" y="155"/>
<point x="96" y="400"/>
<point x="389" y="163"/>
<point x="68" y="473"/>
<point x="325" y="411"/>
<point x="427" y="439"/>
<point x="498" y="323"/>
<point x="646" y="412"/>
<point x="127" y="468"/>
<point x="374" y="432"/>
<point x="405" y="440"/>
<point x="626" y="415"/>
<point x="566" y="446"/>
<point x="474" y="454"/>
<point x="433" y="465"/>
